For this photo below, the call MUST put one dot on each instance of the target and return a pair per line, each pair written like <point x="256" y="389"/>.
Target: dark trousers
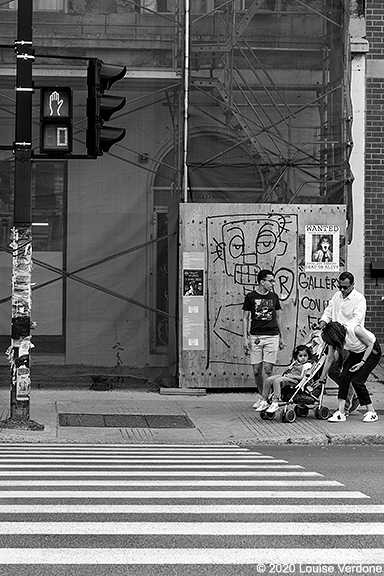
<point x="335" y="369"/>
<point x="343" y="377"/>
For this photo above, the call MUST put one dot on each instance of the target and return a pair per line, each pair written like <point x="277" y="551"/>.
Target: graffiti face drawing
<point x="251" y="244"/>
<point x="240" y="246"/>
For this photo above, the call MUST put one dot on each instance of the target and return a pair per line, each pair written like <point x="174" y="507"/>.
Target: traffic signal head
<point x="109" y="74"/>
<point x="56" y="120"/>
<point x="110" y="136"/>
<point x="109" y="105"/>
<point x="100" y="107"/>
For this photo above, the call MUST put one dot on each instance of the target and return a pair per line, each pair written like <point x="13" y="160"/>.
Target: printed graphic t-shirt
<point x="263" y="313"/>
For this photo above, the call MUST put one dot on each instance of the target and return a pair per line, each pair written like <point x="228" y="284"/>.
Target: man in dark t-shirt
<point x="262" y="333"/>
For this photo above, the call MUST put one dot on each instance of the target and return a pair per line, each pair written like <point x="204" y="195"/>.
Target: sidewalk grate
<point x="125" y="420"/>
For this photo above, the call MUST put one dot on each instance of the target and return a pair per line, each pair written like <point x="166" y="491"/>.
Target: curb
<point x="315" y="440"/>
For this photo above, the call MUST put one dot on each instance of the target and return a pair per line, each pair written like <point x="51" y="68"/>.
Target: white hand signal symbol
<point x="55" y="104"/>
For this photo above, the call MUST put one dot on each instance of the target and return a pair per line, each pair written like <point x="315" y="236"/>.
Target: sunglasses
<point x="343" y="287"/>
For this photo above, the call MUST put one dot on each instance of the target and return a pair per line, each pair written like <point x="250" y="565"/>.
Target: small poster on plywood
<point x="322" y="243"/>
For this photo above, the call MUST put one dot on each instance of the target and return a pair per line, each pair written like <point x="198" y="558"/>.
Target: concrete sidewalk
<point x="216" y="418"/>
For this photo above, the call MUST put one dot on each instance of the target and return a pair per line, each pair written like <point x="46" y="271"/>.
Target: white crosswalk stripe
<point x="191" y="528"/>
<point x="190" y="556"/>
<point x="161" y="505"/>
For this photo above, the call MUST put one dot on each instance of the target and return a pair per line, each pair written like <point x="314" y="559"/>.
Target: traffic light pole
<point x="56" y="139"/>
<point x="21" y="234"/>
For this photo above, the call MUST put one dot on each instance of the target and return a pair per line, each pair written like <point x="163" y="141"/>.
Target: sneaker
<point x="262" y="406"/>
<point x="337" y="417"/>
<point x="273" y="407"/>
<point x="354" y="404"/>
<point x="257" y="403"/>
<point x="370" y="416"/>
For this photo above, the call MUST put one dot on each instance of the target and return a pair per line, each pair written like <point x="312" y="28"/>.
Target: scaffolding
<point x="275" y="75"/>
<point x="269" y="114"/>
<point x="253" y="105"/>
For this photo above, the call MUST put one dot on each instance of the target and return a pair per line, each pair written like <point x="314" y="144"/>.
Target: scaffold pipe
<point x="186" y="96"/>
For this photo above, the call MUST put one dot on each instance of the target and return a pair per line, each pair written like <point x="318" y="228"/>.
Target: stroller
<point x="297" y="400"/>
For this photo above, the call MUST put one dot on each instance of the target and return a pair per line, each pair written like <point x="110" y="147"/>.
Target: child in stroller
<point x="302" y="360"/>
<point x="301" y="390"/>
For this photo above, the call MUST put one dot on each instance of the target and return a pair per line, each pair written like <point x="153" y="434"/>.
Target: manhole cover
<point x="125" y="420"/>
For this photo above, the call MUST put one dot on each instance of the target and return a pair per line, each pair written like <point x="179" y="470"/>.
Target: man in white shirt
<point x="347" y="304"/>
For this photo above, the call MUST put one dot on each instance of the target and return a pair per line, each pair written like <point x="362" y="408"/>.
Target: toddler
<point x="301" y="365"/>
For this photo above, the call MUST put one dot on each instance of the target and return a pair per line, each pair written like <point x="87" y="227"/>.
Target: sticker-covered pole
<point x="21" y="234"/>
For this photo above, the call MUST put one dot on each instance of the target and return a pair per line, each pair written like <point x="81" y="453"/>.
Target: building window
<point x="38" y="5"/>
<point x="47" y="206"/>
<point x="149" y="6"/>
<point x="48" y="192"/>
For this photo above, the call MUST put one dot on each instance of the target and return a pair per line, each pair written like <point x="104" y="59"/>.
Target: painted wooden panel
<point x="237" y="241"/>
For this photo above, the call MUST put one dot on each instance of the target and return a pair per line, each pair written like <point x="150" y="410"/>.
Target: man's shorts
<point x="264" y="349"/>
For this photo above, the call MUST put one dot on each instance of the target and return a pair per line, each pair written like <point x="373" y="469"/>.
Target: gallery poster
<point x="193" y="301"/>
<point x="322" y="244"/>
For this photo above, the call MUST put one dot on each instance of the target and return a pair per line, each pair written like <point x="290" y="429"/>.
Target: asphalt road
<point x="157" y="510"/>
<point x="358" y="467"/>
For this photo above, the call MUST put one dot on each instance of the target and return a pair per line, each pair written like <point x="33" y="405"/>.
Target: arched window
<point x="229" y="175"/>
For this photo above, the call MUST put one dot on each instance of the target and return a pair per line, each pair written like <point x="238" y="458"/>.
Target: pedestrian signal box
<point x="56" y="120"/>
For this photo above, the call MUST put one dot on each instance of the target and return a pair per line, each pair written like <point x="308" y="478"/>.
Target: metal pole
<point x="21" y="234"/>
<point x="187" y="18"/>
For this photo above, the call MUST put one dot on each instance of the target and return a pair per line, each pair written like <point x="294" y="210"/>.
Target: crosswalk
<point x="175" y="506"/>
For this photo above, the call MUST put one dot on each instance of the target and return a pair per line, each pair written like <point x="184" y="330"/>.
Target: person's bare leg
<point x="258" y="375"/>
<point x="341" y="405"/>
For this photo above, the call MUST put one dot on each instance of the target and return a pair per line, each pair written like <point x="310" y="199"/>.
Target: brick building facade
<point x="374" y="167"/>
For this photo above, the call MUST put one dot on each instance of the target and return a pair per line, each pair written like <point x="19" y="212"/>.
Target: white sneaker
<point x="262" y="406"/>
<point x="257" y="403"/>
<point x="337" y="417"/>
<point x="273" y="407"/>
<point x="370" y="416"/>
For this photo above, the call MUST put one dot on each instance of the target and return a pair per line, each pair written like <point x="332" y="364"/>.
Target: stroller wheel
<point x="302" y="411"/>
<point x="323" y="413"/>
<point x="288" y="415"/>
<point x="267" y="415"/>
